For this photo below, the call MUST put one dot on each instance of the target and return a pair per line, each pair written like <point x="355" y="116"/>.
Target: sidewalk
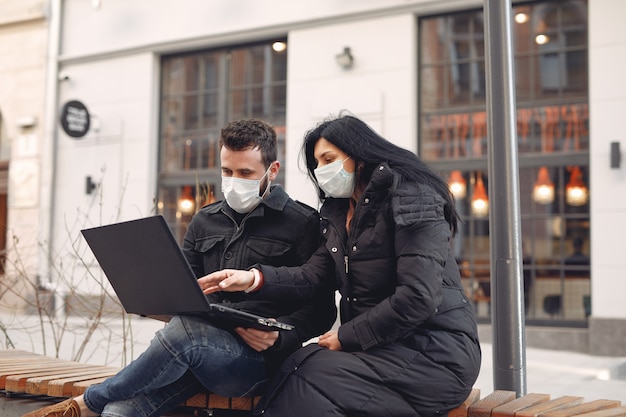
<point x="551" y="372"/>
<point x="561" y="373"/>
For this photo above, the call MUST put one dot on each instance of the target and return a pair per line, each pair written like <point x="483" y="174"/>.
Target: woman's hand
<point x="230" y="280"/>
<point x="330" y="340"/>
<point x="258" y="340"/>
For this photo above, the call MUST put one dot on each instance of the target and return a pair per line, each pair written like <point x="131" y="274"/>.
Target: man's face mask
<point x="242" y="195"/>
<point x="334" y="180"/>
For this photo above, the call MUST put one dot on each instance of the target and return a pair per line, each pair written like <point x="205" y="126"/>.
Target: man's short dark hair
<point x="240" y="135"/>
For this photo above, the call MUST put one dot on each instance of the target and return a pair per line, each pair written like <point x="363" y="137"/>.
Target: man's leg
<point x="219" y="359"/>
<point x="157" y="402"/>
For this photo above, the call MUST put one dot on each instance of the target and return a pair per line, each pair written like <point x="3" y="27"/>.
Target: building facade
<point x="24" y="31"/>
<point x="137" y="92"/>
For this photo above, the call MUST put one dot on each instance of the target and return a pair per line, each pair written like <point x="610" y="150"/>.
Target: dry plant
<point x="72" y="313"/>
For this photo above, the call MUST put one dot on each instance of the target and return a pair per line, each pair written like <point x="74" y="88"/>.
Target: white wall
<point x="380" y="88"/>
<point x="607" y="49"/>
<point x="119" y="151"/>
<point x="128" y="24"/>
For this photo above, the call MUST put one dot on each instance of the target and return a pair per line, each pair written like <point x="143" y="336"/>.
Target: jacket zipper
<point x="345" y="250"/>
<point x="236" y="235"/>
<point x="350" y="233"/>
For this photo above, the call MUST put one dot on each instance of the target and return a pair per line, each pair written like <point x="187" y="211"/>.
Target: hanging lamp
<point x="480" y="201"/>
<point x="186" y="202"/>
<point x="543" y="191"/>
<point x="576" y="192"/>
<point x="457" y="185"/>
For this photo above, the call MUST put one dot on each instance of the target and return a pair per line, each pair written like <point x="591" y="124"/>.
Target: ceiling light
<point x="521" y="18"/>
<point x="279" y="46"/>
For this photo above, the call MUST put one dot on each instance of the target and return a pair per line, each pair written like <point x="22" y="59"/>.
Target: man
<point x="257" y="223"/>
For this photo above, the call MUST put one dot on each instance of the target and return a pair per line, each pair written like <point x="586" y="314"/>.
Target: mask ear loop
<point x="269" y="181"/>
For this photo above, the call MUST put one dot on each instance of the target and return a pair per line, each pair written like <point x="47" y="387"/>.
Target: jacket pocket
<point x="452" y="298"/>
<point x="268" y="248"/>
<point x="206" y="244"/>
<point x="455" y="313"/>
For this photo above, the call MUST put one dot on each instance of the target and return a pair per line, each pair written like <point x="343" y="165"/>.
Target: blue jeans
<point x="186" y="355"/>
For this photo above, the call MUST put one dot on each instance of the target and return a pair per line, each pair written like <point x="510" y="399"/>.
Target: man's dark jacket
<point x="279" y="231"/>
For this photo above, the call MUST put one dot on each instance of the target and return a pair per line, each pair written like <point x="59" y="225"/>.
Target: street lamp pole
<point x="507" y="290"/>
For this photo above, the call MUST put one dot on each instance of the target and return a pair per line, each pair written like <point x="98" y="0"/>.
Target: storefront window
<point x="550" y="55"/>
<point x="200" y="93"/>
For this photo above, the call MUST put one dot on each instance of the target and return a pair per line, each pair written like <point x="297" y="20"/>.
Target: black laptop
<point x="151" y="276"/>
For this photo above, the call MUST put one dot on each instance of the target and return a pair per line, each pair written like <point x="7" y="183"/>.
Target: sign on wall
<point x="75" y="119"/>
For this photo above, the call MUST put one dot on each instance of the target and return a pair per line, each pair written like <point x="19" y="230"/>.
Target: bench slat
<point x="482" y="408"/>
<point x="41" y="385"/>
<point x="19" y="381"/>
<point x="555" y="404"/>
<point x="63" y="387"/>
<point x="511" y="408"/>
<point x="596" y="405"/>
<point x="609" y="412"/>
<point x="80" y="386"/>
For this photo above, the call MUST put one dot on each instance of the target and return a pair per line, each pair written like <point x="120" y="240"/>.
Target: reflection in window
<point x="551" y="81"/>
<point x="555" y="245"/>
<point x="200" y="93"/>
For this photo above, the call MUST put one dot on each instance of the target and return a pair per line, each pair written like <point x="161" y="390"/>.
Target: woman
<point x="407" y="344"/>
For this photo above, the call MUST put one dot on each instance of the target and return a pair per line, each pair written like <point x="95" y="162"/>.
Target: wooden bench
<point x="24" y="374"/>
<point x="36" y="376"/>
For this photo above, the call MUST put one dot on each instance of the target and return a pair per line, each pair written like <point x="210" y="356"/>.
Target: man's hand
<point x="230" y="280"/>
<point x="258" y="340"/>
<point x="330" y="340"/>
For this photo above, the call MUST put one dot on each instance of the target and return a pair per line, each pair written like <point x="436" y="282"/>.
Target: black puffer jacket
<point x="408" y="334"/>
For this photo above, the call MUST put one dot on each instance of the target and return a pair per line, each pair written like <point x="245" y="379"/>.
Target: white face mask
<point x="334" y="180"/>
<point x="243" y="195"/>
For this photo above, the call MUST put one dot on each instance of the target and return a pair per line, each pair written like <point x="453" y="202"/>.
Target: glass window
<point x="200" y="93"/>
<point x="551" y="81"/>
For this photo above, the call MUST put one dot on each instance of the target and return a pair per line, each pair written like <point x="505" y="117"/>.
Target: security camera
<point x="64" y="76"/>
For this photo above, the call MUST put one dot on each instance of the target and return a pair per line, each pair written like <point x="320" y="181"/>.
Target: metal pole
<point x="507" y="311"/>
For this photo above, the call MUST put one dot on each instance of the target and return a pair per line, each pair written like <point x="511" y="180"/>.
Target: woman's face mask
<point x="242" y="195"/>
<point x="334" y="180"/>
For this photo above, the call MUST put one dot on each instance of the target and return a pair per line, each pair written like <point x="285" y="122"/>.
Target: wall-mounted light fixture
<point x="25" y="122"/>
<point x="90" y="185"/>
<point x="616" y="155"/>
<point x="345" y="59"/>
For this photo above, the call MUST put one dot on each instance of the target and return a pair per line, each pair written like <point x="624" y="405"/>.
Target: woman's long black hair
<point x="364" y="145"/>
